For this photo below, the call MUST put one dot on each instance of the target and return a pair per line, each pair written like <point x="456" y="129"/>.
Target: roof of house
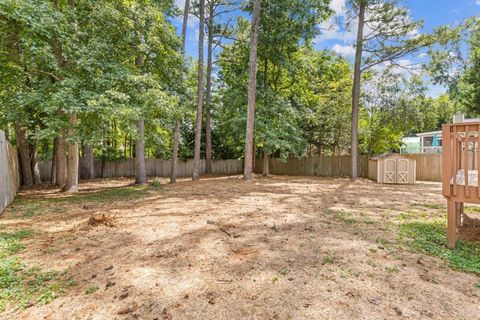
<point x="431" y="133"/>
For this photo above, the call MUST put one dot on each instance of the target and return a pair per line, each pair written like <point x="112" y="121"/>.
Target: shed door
<point x="390" y="171"/>
<point x="402" y="171"/>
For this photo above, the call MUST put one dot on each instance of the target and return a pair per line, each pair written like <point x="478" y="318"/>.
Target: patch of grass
<point x="392" y="269"/>
<point x="155" y="184"/>
<point x="435" y="206"/>
<point x="32" y="209"/>
<point x="348" y="273"/>
<point x="10" y="241"/>
<point x="91" y="289"/>
<point x="430" y="237"/>
<point x="120" y="193"/>
<point x="477" y="285"/>
<point x="368" y="221"/>
<point x="331" y="258"/>
<point x="471" y="209"/>
<point x="346" y="218"/>
<point x="21" y="286"/>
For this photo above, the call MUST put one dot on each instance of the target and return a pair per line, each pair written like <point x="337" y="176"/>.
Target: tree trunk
<point x="71" y="183"/>
<point x="356" y="88"/>
<point x="176" y="134"/>
<point x="198" y="122"/>
<point x="140" y="170"/>
<point x="90" y="161"/>
<point x="208" y="95"/>
<point x="252" y="91"/>
<point x="53" y="173"/>
<point x="61" y="161"/>
<point x="37" y="180"/>
<point x="176" y="140"/>
<point x="24" y="154"/>
<point x="266" y="167"/>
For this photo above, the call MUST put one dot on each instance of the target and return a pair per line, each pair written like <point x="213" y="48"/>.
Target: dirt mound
<point x="470" y="230"/>
<point x="101" y="219"/>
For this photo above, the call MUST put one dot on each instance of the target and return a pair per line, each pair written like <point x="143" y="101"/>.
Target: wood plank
<point x="467" y="167"/>
<point x="451" y="224"/>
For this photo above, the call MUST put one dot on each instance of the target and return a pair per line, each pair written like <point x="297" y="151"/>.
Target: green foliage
<point x="458" y="69"/>
<point x="58" y="59"/>
<point x="430" y="237"/>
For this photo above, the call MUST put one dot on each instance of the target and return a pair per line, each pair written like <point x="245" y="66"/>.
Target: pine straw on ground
<point x="276" y="248"/>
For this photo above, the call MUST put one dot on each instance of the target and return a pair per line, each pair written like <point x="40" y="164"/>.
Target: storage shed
<point x="392" y="168"/>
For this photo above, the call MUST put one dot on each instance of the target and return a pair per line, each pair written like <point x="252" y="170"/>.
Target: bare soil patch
<point x="275" y="248"/>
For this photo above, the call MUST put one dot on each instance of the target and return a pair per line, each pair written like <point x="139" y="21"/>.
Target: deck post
<point x="451" y="225"/>
<point x="458" y="213"/>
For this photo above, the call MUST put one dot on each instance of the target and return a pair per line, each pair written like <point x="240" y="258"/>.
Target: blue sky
<point x="434" y="13"/>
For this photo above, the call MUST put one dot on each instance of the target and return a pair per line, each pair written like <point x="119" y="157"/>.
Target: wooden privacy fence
<point x="428" y="168"/>
<point x="321" y="166"/>
<point x="9" y="172"/>
<point x="155" y="168"/>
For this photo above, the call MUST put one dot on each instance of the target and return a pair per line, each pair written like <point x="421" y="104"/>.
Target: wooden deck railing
<point x="460" y="152"/>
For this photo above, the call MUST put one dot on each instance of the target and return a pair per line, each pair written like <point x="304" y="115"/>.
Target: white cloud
<point x="339" y="7"/>
<point x="331" y="31"/>
<point x="477" y="2"/>
<point x="192" y="22"/>
<point x="180" y="3"/>
<point x="344" y="50"/>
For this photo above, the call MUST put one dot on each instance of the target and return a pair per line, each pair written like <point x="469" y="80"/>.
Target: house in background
<point x="410" y="145"/>
<point x="430" y="142"/>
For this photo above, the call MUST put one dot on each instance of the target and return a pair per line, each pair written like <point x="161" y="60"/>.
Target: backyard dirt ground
<point x="275" y="248"/>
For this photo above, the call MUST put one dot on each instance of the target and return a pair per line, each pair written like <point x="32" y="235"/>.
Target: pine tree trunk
<point x="37" y="180"/>
<point x="252" y="91"/>
<point x="71" y="183"/>
<point x="356" y="89"/>
<point x="266" y="167"/>
<point x="176" y="140"/>
<point x="90" y="161"/>
<point x="176" y="134"/>
<point x="198" y="122"/>
<point x="208" y="95"/>
<point x="24" y="154"/>
<point x="140" y="170"/>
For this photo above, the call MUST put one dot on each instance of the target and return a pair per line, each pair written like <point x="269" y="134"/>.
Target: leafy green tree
<point x="386" y="32"/>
